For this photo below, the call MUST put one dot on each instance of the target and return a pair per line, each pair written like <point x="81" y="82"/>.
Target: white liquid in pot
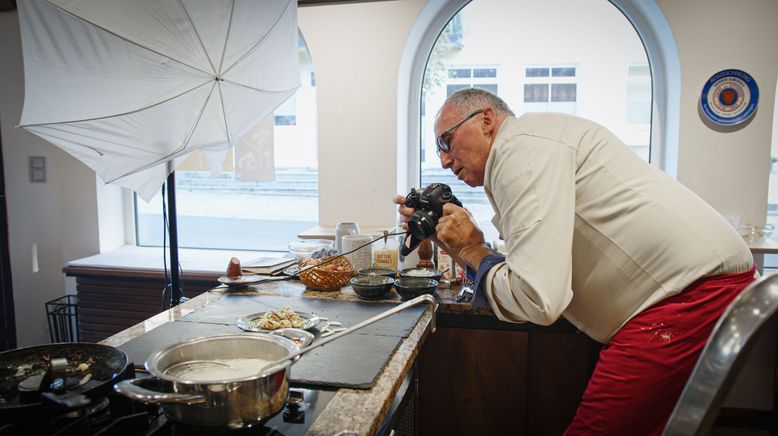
<point x="217" y="369"/>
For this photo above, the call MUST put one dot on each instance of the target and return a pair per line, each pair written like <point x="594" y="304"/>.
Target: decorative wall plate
<point x="729" y="97"/>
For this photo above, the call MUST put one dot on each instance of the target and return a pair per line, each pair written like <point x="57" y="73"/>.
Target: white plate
<point x="250" y="323"/>
<point x="240" y="280"/>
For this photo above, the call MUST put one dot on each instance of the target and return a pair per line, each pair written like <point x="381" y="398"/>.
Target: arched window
<point x="266" y="193"/>
<point x="582" y="57"/>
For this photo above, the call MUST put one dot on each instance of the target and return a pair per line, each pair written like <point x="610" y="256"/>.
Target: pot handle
<point x="300" y="337"/>
<point x="130" y="388"/>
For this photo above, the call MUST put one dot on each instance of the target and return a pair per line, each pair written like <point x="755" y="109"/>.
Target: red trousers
<point x="640" y="374"/>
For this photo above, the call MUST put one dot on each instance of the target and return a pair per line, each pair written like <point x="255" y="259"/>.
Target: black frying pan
<point x="17" y="366"/>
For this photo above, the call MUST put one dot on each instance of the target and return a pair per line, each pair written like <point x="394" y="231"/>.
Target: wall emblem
<point x="729" y="97"/>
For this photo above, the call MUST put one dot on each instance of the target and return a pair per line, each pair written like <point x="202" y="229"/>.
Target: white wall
<point x="729" y="170"/>
<point x="356" y="52"/>
<point x="60" y="216"/>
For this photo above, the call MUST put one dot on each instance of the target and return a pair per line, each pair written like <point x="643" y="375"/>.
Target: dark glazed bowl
<point x="372" y="287"/>
<point x="426" y="273"/>
<point x="386" y="272"/>
<point x="411" y="287"/>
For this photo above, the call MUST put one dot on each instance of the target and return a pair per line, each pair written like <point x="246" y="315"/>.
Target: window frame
<point x="649" y="23"/>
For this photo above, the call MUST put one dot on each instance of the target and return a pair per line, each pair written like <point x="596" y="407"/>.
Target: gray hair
<point x="472" y="99"/>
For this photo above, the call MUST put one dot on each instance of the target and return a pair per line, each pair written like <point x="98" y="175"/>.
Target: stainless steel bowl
<point x="233" y="403"/>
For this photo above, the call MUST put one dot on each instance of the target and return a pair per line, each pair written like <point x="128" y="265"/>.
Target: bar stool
<point x="723" y="357"/>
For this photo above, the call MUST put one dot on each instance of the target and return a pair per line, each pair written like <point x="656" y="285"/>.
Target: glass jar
<point x="385" y="252"/>
<point x="341" y="230"/>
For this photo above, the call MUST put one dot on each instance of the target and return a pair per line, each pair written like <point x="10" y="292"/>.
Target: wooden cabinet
<point x="111" y="300"/>
<point x="495" y="382"/>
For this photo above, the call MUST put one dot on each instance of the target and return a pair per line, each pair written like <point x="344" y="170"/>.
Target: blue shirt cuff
<point x="479" y="296"/>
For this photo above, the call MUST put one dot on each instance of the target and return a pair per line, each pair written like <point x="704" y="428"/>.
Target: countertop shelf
<point x="766" y="246"/>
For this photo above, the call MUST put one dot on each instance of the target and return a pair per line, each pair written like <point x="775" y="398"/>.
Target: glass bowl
<point x="755" y="233"/>
<point x="304" y="248"/>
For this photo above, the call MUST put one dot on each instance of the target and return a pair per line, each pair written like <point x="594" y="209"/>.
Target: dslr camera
<point x="429" y="209"/>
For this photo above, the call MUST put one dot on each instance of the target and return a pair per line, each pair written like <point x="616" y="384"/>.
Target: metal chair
<point x="723" y="357"/>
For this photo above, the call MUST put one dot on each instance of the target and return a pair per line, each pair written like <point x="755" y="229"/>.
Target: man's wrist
<point x="478" y="275"/>
<point x="474" y="256"/>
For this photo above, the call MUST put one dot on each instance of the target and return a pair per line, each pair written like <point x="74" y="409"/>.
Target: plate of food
<point x="278" y="319"/>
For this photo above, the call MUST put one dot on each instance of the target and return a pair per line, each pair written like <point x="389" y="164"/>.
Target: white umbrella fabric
<point x="126" y="86"/>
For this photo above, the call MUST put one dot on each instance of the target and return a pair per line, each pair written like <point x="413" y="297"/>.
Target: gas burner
<point x="117" y="414"/>
<point x="93" y="410"/>
<point x="177" y="428"/>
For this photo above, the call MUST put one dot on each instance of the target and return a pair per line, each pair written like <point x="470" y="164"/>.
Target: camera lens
<point x="422" y="224"/>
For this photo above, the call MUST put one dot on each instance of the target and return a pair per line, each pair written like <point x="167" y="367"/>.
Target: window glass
<point x="638" y="110"/>
<point x="535" y="93"/>
<point x="563" y="72"/>
<point x="266" y="192"/>
<point x="461" y="77"/>
<point x="485" y="72"/>
<point x="771" y="260"/>
<point x="537" y="72"/>
<point x="563" y="92"/>
<point x="545" y="64"/>
<point x="459" y="73"/>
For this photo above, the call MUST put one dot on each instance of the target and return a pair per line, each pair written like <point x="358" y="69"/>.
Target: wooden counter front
<point x="111" y="299"/>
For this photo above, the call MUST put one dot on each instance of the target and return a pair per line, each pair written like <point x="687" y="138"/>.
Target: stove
<point x="115" y="414"/>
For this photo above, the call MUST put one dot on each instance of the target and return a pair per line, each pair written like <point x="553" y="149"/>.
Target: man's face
<point x="468" y="145"/>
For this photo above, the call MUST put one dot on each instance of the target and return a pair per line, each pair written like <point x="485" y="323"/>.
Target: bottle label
<point x="386" y="257"/>
<point x="453" y="271"/>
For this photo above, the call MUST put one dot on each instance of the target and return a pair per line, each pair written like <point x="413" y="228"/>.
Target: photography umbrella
<point x="130" y="87"/>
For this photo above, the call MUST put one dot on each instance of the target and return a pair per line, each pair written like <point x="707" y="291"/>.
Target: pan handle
<point x="130" y="388"/>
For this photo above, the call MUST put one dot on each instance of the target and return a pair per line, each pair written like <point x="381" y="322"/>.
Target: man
<point x="592" y="233"/>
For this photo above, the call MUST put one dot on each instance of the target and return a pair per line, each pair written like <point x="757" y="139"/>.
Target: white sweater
<point x="592" y="232"/>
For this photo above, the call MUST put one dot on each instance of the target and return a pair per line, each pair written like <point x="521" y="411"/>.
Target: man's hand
<point x="460" y="236"/>
<point x="405" y="211"/>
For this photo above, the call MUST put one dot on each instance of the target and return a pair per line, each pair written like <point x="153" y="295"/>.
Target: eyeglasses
<point x="443" y="138"/>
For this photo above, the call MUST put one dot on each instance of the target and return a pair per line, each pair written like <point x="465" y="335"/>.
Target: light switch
<point x="37" y="169"/>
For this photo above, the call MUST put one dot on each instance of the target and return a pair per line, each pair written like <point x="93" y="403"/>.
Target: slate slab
<point x="224" y="311"/>
<point x="353" y="361"/>
<point x="228" y="309"/>
<point x="349" y="313"/>
<point x="140" y="348"/>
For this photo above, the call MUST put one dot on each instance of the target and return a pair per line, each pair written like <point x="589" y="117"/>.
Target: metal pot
<point x="234" y="403"/>
<point x="237" y="402"/>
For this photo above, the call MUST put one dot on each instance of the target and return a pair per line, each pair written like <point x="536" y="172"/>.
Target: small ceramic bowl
<point x="411" y="287"/>
<point x="372" y="287"/>
<point x="386" y="272"/>
<point x="426" y="273"/>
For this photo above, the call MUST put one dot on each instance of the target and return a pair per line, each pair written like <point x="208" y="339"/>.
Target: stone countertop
<point x="360" y="411"/>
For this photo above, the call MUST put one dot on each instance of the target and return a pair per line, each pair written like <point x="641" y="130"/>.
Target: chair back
<point x="723" y="357"/>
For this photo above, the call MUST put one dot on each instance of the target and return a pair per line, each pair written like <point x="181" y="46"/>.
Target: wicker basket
<point x="321" y="279"/>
